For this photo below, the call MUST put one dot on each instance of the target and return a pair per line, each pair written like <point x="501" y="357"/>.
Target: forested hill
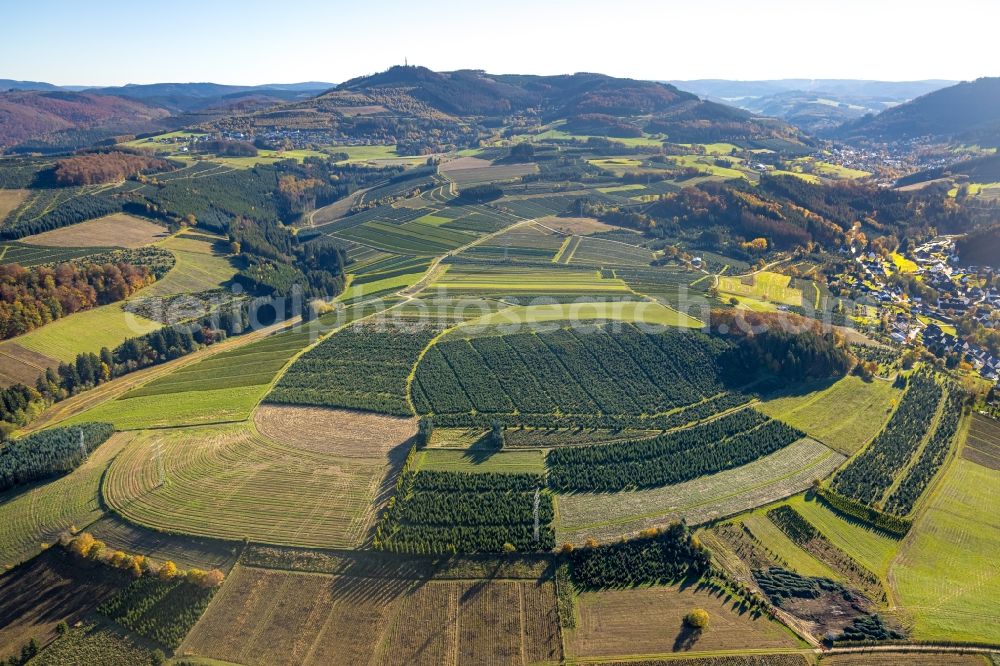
<point x="967" y="112"/>
<point x="473" y="92"/>
<point x="45" y="121"/>
<point x="417" y="109"/>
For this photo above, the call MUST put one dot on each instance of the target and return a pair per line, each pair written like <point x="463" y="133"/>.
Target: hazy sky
<point x="112" y="42"/>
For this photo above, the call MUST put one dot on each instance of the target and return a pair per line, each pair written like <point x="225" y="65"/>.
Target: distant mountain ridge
<point x="967" y="112"/>
<point x="817" y="106"/>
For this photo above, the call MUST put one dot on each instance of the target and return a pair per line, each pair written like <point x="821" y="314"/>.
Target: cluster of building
<point x="915" y="318"/>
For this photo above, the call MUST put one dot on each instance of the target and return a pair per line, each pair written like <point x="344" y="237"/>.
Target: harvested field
<point x="268" y="617"/>
<point x="490" y="173"/>
<point x="34" y="517"/>
<point x="227" y="482"/>
<point x="118" y="230"/>
<point x="575" y="226"/>
<point x="11" y="199"/>
<point x="983" y="443"/>
<point x="52" y="588"/>
<point x="185" y="552"/>
<point x="20" y="364"/>
<point x="463" y="163"/>
<point x="650" y="621"/>
<point x="609" y="516"/>
<point x="335" y="431"/>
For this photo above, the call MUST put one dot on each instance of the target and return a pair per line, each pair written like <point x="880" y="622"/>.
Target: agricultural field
<point x="467" y="171"/>
<point x="479" y="280"/>
<point x="52" y="588"/>
<point x="596" y="251"/>
<point x="265" y="617"/>
<point x="364" y="366"/>
<point x="201" y="265"/>
<point x="649" y="313"/>
<point x="578" y="226"/>
<point x="118" y="230"/>
<point x="607" y="517"/>
<point x="483" y="459"/>
<point x="598" y="371"/>
<point x="609" y="625"/>
<point x="185" y="552"/>
<point x="10" y="200"/>
<point x="21" y="365"/>
<point x="186" y="408"/>
<point x="523" y="242"/>
<point x="945" y="576"/>
<point x="844" y="415"/>
<point x="34" y="516"/>
<point x="85" y="331"/>
<point x="255" y="364"/>
<point x="983" y="443"/>
<point x="228" y="482"/>
<point x="415" y="237"/>
<point x="763" y="286"/>
<point x="34" y="255"/>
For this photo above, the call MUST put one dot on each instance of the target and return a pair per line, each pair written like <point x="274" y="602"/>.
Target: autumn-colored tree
<point x="168" y="570"/>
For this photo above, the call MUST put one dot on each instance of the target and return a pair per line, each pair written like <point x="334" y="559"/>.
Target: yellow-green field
<point x="946" y="575"/>
<point x="88" y="331"/>
<point x="763" y="286"/>
<point x="476" y="460"/>
<point x="174" y="409"/>
<point x="229" y="482"/>
<point x="844" y="415"/>
<point x="647" y="312"/>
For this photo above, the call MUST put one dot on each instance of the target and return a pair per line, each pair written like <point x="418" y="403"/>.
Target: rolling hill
<point x="53" y="120"/>
<point x="968" y="112"/>
<point x="814" y="105"/>
<point x="406" y="101"/>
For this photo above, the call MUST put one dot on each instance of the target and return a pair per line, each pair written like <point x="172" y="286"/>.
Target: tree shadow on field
<point x="480" y="451"/>
<point x="686" y="638"/>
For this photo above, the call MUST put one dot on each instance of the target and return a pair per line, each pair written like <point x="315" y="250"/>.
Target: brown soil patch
<point x="277" y="617"/>
<point x="52" y="588"/>
<point x="576" y="226"/>
<point x="983" y="444"/>
<point x="650" y="621"/>
<point x="9" y="200"/>
<point x="463" y="163"/>
<point x="334" y="431"/>
<point x="118" y="230"/>
<point x="21" y="365"/>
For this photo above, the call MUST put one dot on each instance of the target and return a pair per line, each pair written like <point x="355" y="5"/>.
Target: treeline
<point x="94" y="168"/>
<point x="789" y="356"/>
<point x="871" y="474"/>
<point x="479" y="193"/>
<point x="33" y="297"/>
<point x="455" y="512"/>
<point x="892" y="525"/>
<point x="72" y="211"/>
<point x="226" y="148"/>
<point x="49" y="453"/>
<point x="663" y="557"/>
<point x="19" y="404"/>
<point x="726" y="442"/>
